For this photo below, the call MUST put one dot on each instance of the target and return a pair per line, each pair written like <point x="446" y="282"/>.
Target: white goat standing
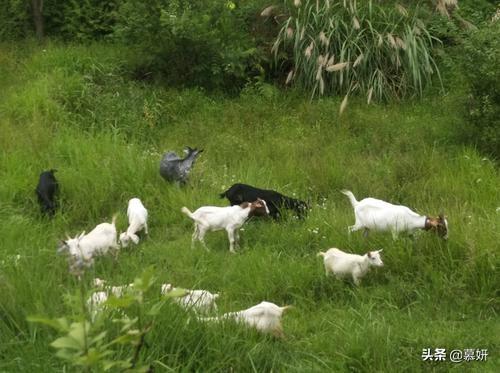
<point x="265" y="317"/>
<point x="375" y="214"/>
<point x="85" y="247"/>
<point x="343" y="265"/>
<point x="230" y="218"/>
<point x="137" y="220"/>
<point x="201" y="301"/>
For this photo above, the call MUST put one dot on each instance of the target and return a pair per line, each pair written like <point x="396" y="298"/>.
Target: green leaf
<point x="121" y="302"/>
<point x="67" y="343"/>
<point x="60" y="324"/>
<point x="176" y="293"/>
<point x="155" y="309"/>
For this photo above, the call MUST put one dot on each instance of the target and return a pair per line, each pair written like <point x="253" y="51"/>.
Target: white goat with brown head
<point x="375" y="214"/>
<point x="230" y="218"/>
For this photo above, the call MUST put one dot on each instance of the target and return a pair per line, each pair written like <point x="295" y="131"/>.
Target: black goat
<point x="46" y="191"/>
<point x="175" y="169"/>
<point x="239" y="193"/>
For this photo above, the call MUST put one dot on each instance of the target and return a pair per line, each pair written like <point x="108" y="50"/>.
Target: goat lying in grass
<point x="343" y="265"/>
<point x="265" y="317"/>
<point x="239" y="193"/>
<point x="200" y="301"/>
<point x="212" y="218"/>
<point x="85" y="247"/>
<point x="378" y="215"/>
<point x="95" y="303"/>
<point x="46" y="191"/>
<point x="137" y="220"/>
<point x="175" y="169"/>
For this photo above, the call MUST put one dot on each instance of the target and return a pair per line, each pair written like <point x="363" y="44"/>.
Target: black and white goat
<point x="239" y="193"/>
<point x="176" y="169"/>
<point x="46" y="191"/>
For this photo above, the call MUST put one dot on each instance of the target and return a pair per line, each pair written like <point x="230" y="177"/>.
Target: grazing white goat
<point x="265" y="317"/>
<point x="343" y="265"/>
<point x="375" y="214"/>
<point x="137" y="220"/>
<point x="95" y="303"/>
<point x="230" y="218"/>
<point x="201" y="301"/>
<point x="85" y="247"/>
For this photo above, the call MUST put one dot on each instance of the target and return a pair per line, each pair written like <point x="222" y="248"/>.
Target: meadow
<point x="77" y="109"/>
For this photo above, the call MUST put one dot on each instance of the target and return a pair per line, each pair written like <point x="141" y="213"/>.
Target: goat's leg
<point x="365" y="233"/>
<point x="201" y="235"/>
<point x="146" y="228"/>
<point x="237" y="238"/>
<point x="194" y="237"/>
<point x="230" y="235"/>
<point x="357" y="280"/>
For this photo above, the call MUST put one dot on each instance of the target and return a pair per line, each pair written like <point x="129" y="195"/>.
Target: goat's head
<point x="257" y="208"/>
<point x="125" y="238"/>
<point x="374" y="258"/>
<point x="192" y="153"/>
<point x="439" y="225"/>
<point x="70" y="244"/>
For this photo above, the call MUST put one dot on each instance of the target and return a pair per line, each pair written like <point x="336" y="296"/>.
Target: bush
<point x="338" y="47"/>
<point x="482" y="71"/>
<point x="15" y="21"/>
<point x="194" y="43"/>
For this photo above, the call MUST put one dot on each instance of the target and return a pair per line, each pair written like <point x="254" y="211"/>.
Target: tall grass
<point x="342" y="47"/>
<point x="429" y="294"/>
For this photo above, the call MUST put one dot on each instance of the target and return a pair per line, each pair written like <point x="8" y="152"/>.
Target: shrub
<point x="194" y="43"/>
<point x="482" y="71"/>
<point x="339" y="47"/>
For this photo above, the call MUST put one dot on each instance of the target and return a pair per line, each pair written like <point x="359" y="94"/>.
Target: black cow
<point x="46" y="191"/>
<point x="239" y="193"/>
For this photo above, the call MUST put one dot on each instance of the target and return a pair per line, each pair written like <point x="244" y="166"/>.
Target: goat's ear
<point x="68" y="237"/>
<point x="369" y="254"/>
<point x="81" y="234"/>
<point x="441" y="216"/>
<point x="379" y="251"/>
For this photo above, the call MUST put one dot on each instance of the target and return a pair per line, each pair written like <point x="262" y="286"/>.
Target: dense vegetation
<point x="101" y="101"/>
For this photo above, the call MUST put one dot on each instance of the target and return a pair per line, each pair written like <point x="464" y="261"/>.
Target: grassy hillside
<point x="74" y="109"/>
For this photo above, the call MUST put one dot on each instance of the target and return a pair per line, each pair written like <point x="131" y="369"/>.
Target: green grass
<point x="74" y="109"/>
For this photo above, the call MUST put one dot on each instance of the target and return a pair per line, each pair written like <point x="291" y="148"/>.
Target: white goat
<point x="375" y="214"/>
<point x="137" y="220"/>
<point x="95" y="303"/>
<point x="265" y="317"/>
<point x="231" y="218"/>
<point x="343" y="265"/>
<point x="201" y="301"/>
<point x="85" y="247"/>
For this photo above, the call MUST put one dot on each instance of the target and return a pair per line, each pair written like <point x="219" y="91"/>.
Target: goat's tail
<point x="321" y="253"/>
<point x="284" y="308"/>
<point x="351" y="197"/>
<point x="186" y="211"/>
